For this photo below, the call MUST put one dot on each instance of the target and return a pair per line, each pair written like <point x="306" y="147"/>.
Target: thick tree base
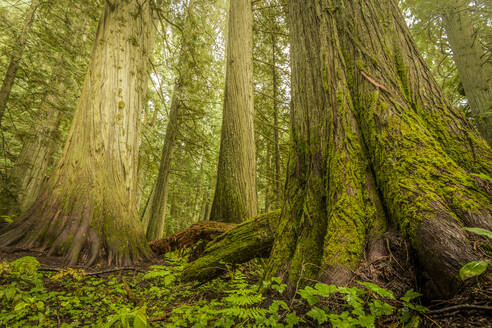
<point x="249" y="240"/>
<point x="80" y="228"/>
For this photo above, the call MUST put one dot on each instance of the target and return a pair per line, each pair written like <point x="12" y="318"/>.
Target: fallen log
<point x="204" y="231"/>
<point x="248" y="240"/>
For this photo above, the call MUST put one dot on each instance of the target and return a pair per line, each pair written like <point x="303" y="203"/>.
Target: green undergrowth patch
<point x="32" y="297"/>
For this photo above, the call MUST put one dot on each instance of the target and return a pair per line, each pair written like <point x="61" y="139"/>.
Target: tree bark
<point x="374" y="143"/>
<point x="474" y="67"/>
<point x="8" y="80"/>
<point x="157" y="211"/>
<point x="235" y="193"/>
<point x="276" y="153"/>
<point x="87" y="210"/>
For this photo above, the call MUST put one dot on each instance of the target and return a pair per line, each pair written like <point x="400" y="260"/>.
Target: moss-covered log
<point x="251" y="239"/>
<point x="204" y="231"/>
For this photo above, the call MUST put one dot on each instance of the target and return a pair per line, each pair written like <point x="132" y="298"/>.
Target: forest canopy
<point x="321" y="162"/>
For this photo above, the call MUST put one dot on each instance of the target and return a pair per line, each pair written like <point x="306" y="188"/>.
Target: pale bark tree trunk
<point x="157" y="207"/>
<point x="87" y="210"/>
<point x="474" y="66"/>
<point x="16" y="57"/>
<point x="203" y="213"/>
<point x="374" y="143"/>
<point x="235" y="193"/>
<point x="198" y="195"/>
<point x="268" y="172"/>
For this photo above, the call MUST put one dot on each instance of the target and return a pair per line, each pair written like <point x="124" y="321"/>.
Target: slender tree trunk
<point x="374" y="144"/>
<point x="157" y="213"/>
<point x="204" y="210"/>
<point x="235" y="193"/>
<point x="87" y="210"/>
<point x="276" y="153"/>
<point x="268" y="172"/>
<point x="474" y="66"/>
<point x="8" y="80"/>
<point x="198" y="194"/>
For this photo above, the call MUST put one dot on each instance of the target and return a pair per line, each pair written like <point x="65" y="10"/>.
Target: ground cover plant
<point x="34" y="295"/>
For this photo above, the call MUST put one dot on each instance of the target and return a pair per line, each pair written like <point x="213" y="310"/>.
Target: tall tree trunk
<point x="157" y="211"/>
<point x="17" y="52"/>
<point x="235" y="193"/>
<point x="276" y="153"/>
<point x="196" y="200"/>
<point x="374" y="143"/>
<point x="474" y="66"/>
<point x="268" y="172"/>
<point x="87" y="210"/>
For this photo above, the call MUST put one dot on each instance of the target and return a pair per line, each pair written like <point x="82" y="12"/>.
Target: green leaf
<point x="378" y="290"/>
<point x="318" y="314"/>
<point x="410" y="295"/>
<point x="140" y="321"/>
<point x="292" y="319"/>
<point x="277" y="280"/>
<point x="472" y="269"/>
<point x="20" y="306"/>
<point x="367" y="321"/>
<point x="480" y="231"/>
<point x="325" y="290"/>
<point x="308" y="294"/>
<point x="379" y="308"/>
<point x="168" y="280"/>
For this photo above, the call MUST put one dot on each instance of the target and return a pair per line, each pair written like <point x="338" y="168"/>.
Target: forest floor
<point x="38" y="291"/>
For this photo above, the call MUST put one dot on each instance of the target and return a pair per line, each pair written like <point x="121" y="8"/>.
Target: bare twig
<point x="461" y="307"/>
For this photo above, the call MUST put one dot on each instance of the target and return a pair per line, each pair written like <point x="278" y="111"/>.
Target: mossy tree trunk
<point x="235" y="193"/>
<point x="474" y="66"/>
<point x="87" y="210"/>
<point x="8" y="80"/>
<point x="374" y="143"/>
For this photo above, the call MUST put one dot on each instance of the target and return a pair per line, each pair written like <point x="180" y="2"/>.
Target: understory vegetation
<point x="34" y="296"/>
